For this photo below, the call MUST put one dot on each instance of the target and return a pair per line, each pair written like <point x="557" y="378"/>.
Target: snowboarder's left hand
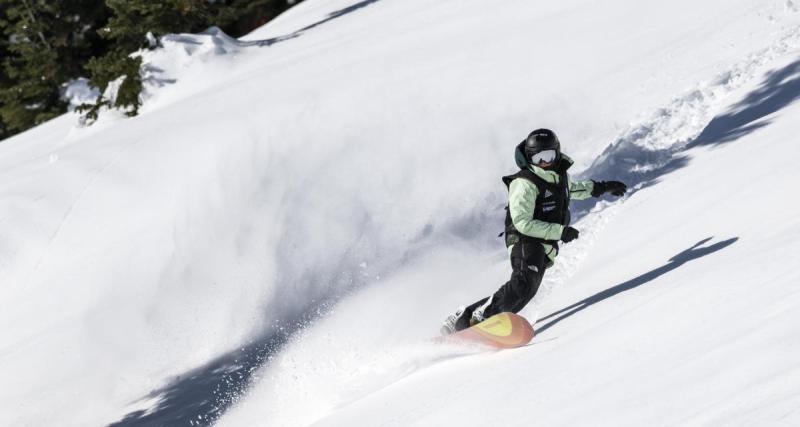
<point x="616" y="188"/>
<point x="569" y="234"/>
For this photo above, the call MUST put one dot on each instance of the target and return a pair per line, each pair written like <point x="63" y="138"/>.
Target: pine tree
<point x="31" y="98"/>
<point x="45" y="45"/>
<point x="127" y="30"/>
<point x="133" y="19"/>
<point x="4" y="82"/>
<point x="239" y="17"/>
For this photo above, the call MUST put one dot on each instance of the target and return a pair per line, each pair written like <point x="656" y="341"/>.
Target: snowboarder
<point x="537" y="218"/>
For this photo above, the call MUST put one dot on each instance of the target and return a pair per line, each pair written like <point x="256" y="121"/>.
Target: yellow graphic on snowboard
<point x="503" y="330"/>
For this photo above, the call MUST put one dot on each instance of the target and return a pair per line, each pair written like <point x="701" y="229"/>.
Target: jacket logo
<point x="547" y="193"/>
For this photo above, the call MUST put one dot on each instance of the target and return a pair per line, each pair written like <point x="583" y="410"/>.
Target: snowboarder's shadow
<point x="694" y="252"/>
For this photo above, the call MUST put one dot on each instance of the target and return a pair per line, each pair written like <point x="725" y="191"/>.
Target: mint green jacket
<point x="522" y="196"/>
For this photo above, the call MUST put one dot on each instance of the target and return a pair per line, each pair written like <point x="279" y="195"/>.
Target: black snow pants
<point x="528" y="264"/>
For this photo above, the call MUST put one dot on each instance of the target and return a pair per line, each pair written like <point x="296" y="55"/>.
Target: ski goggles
<point x="546" y="156"/>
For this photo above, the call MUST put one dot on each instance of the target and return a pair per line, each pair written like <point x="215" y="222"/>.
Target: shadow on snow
<point x="333" y="15"/>
<point x="694" y="252"/>
<point x="200" y="396"/>
<point x="780" y="88"/>
<point x="640" y="166"/>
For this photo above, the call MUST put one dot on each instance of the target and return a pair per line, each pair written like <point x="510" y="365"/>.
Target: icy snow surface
<point x="277" y="235"/>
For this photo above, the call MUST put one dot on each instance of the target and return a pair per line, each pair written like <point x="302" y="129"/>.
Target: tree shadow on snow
<point x="333" y="15"/>
<point x="694" y="252"/>
<point x="200" y="396"/>
<point x="639" y="165"/>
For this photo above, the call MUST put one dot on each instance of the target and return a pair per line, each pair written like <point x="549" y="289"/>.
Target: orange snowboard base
<point x="503" y="330"/>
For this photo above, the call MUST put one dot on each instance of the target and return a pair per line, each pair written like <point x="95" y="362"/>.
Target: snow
<point x="277" y="235"/>
<point x="79" y="91"/>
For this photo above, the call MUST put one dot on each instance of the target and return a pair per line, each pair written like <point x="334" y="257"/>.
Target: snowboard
<point x="503" y="330"/>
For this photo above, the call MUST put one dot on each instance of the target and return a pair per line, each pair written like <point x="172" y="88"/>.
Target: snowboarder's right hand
<point x="569" y="234"/>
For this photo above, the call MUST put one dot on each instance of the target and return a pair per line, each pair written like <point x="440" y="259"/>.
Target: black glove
<point x="569" y="234"/>
<point x="616" y="188"/>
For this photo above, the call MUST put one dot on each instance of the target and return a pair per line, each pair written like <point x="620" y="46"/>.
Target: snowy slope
<point x="683" y="310"/>
<point x="347" y="155"/>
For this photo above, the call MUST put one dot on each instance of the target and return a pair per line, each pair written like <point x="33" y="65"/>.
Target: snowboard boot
<point x="449" y="325"/>
<point x="477" y="317"/>
<point x="477" y="314"/>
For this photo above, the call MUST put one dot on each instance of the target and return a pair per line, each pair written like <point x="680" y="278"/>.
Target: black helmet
<point x="541" y="140"/>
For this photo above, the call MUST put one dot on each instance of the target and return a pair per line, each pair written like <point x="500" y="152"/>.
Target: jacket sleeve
<point x="521" y="201"/>
<point x="580" y="190"/>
